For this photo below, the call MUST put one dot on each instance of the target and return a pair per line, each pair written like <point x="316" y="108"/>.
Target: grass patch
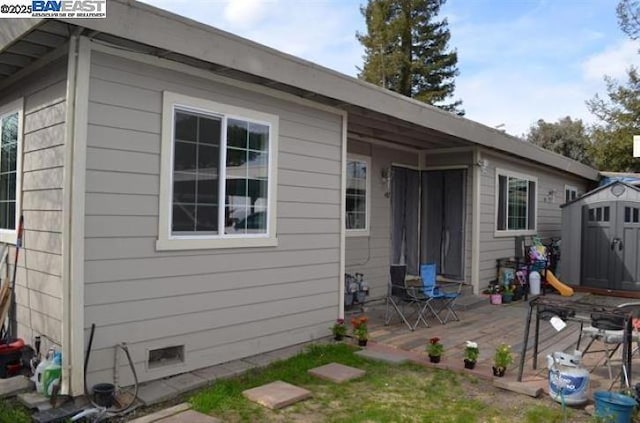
<point x="11" y="411"/>
<point x="388" y="393"/>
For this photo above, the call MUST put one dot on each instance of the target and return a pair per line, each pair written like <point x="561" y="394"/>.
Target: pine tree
<point x="406" y="50"/>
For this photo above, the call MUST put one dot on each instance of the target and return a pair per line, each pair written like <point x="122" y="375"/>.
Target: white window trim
<point x="571" y="188"/>
<point x="511" y="233"/>
<point x="10" y="236"/>
<point x="167" y="241"/>
<point x="366" y="231"/>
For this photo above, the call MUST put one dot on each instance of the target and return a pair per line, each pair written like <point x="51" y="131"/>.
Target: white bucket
<point x="534" y="283"/>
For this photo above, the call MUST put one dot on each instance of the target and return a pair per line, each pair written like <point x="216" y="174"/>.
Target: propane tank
<point x="568" y="380"/>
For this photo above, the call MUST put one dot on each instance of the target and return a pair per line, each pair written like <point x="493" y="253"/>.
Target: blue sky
<point x="519" y="60"/>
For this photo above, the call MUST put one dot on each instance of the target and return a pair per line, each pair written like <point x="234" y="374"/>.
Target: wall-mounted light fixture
<point x="550" y="196"/>
<point x="483" y="164"/>
<point x="385" y="179"/>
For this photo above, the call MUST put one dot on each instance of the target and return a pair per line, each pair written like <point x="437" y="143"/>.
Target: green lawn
<point x="12" y="412"/>
<point x="406" y="393"/>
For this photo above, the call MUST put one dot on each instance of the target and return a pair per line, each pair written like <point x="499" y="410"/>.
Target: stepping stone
<point x="34" y="400"/>
<point x="162" y="414"/>
<point x="335" y="372"/>
<point x="190" y="416"/>
<point x="155" y="392"/>
<point x="186" y="382"/>
<point x="386" y="357"/>
<point x="14" y="385"/>
<point x="276" y="395"/>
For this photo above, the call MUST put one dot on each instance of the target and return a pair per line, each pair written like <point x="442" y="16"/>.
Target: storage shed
<point x="601" y="238"/>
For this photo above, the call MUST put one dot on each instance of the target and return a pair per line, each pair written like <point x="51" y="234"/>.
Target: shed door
<point x="627" y="249"/>
<point x="597" y="236"/>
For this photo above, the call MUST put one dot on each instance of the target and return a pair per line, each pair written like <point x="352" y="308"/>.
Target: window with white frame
<point x="570" y="193"/>
<point x="10" y="169"/>
<point x="358" y="193"/>
<point x="516" y="202"/>
<point x="218" y="175"/>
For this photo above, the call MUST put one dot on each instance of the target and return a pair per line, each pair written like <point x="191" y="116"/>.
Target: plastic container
<point x="52" y="373"/>
<point x="37" y="375"/>
<point x="103" y="394"/>
<point x="534" y="283"/>
<point x="614" y="407"/>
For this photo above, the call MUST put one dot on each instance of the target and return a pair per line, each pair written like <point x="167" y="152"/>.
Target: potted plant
<point x="435" y="349"/>
<point x="471" y="353"/>
<point x="495" y="296"/>
<point x="507" y="294"/>
<point x="502" y="359"/>
<point x="339" y="330"/>
<point x="360" y="330"/>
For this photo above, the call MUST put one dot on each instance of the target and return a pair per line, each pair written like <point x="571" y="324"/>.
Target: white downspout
<point x="73" y="216"/>
<point x="343" y="212"/>
<point x="475" y="226"/>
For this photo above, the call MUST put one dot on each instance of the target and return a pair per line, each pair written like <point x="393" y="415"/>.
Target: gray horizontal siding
<point x="221" y="304"/>
<point x="38" y="276"/>
<point x="549" y="222"/>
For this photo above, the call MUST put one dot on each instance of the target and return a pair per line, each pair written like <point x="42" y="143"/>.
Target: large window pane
<point x="517" y="207"/>
<point x="356" y="195"/>
<point x="247" y="174"/>
<point x="8" y="167"/>
<point x="195" y="178"/>
<point x="516" y="204"/>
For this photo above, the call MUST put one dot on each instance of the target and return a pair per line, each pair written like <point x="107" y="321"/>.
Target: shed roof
<point x="170" y="33"/>
<point x="601" y="188"/>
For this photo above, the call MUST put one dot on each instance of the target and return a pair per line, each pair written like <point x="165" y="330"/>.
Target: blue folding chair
<point x="436" y="294"/>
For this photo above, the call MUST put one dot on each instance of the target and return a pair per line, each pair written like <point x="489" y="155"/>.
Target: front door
<point x="443" y="221"/>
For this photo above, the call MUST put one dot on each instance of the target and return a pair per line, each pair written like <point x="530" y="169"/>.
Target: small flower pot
<point x="434" y="358"/>
<point x="362" y="342"/>
<point x="496" y="299"/>
<point x="498" y="371"/>
<point x="469" y="364"/>
<point x="507" y="298"/>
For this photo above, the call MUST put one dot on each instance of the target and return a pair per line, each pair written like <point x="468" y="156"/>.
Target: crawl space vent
<point x="167" y="356"/>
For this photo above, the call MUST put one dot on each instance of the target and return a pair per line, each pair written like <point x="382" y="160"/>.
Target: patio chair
<point x="400" y="296"/>
<point x="437" y="294"/>
<point x="609" y="330"/>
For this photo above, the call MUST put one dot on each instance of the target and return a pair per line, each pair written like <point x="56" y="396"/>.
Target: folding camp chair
<point x="399" y="296"/>
<point x="436" y="294"/>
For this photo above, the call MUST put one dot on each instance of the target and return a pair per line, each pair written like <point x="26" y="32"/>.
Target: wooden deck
<point x="489" y="326"/>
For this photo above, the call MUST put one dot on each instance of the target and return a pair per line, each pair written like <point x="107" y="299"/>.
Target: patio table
<point x="572" y="310"/>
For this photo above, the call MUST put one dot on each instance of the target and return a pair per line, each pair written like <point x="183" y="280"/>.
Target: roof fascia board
<point x="149" y="25"/>
<point x="519" y="161"/>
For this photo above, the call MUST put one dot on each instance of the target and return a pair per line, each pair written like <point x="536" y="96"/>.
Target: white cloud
<point x="518" y="98"/>
<point x="246" y="13"/>
<point x="613" y="61"/>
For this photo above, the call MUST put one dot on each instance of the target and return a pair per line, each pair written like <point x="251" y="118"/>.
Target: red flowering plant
<point x="434" y="347"/>
<point x="360" y="329"/>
